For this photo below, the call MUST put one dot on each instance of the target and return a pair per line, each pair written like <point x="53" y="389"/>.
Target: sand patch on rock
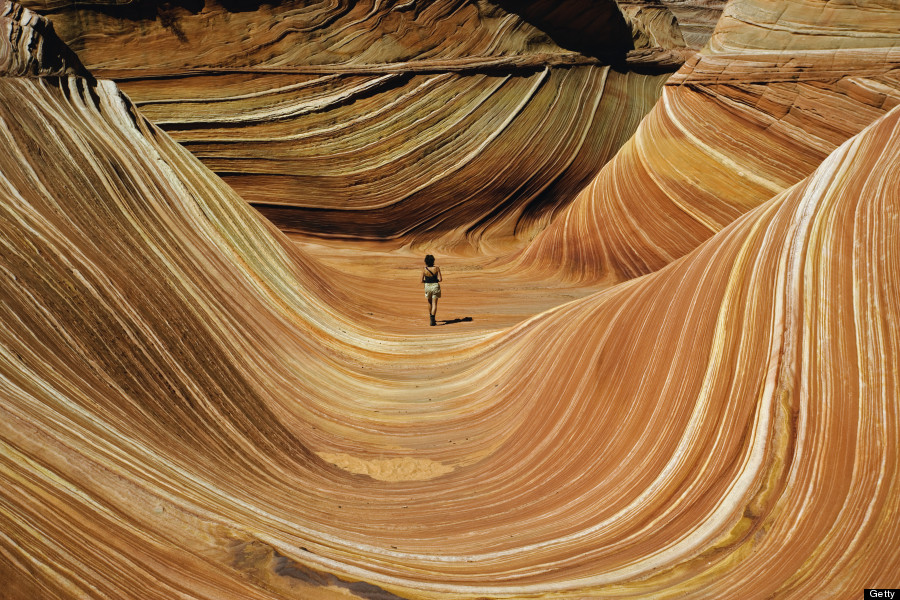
<point x="388" y="469"/>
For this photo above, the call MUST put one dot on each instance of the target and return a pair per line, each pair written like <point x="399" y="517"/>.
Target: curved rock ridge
<point x="194" y="37"/>
<point x="458" y="125"/>
<point x="652" y="25"/>
<point x="656" y="35"/>
<point x="189" y="405"/>
<point x="800" y="25"/>
<point x="317" y="36"/>
<point x="30" y="47"/>
<point x="431" y="158"/>
<point x="193" y="407"/>
<point x="696" y="19"/>
<point x="731" y="130"/>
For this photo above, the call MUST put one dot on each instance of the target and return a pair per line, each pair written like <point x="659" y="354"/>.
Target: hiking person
<point x="431" y="277"/>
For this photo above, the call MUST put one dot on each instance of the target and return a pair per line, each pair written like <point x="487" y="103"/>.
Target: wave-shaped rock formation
<point x="30" y="46"/>
<point x="191" y="407"/>
<point x="696" y="19"/>
<point x="779" y="87"/>
<point x="448" y="123"/>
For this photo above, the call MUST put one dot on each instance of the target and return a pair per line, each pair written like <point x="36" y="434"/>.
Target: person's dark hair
<point x="429" y="260"/>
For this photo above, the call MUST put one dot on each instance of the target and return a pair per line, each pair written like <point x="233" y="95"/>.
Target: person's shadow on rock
<point x="458" y="320"/>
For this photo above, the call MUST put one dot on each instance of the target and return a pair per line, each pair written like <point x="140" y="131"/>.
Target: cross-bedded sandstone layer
<point x="453" y="124"/>
<point x="31" y="48"/>
<point x="779" y="87"/>
<point x="192" y="407"/>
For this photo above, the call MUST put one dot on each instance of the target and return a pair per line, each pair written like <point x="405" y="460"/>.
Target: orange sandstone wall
<point x="750" y="115"/>
<point x="184" y="414"/>
<point x="459" y="125"/>
<point x="190" y="407"/>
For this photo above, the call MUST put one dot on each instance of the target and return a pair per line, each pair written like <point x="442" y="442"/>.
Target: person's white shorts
<point x="432" y="290"/>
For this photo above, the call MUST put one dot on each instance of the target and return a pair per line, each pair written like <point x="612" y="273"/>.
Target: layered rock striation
<point x="452" y="124"/>
<point x="192" y="407"/>
<point x="746" y="118"/>
<point x="31" y="47"/>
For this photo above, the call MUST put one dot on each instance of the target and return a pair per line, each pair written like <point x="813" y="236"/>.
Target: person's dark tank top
<point x="430" y="277"/>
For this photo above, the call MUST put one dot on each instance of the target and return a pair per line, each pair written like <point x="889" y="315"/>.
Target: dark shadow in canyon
<point x="594" y="28"/>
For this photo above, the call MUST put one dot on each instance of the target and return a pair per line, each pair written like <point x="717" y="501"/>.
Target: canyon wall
<point x="459" y="125"/>
<point x="749" y="116"/>
<point x="193" y="406"/>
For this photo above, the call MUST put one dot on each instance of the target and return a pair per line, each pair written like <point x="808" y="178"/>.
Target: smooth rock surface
<point x="194" y="405"/>
<point x="741" y="121"/>
<point x="457" y="125"/>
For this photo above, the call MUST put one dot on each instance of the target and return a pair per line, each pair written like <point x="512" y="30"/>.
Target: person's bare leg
<point x="433" y="304"/>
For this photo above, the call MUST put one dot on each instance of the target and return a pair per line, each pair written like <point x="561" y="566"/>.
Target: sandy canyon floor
<point x="478" y="293"/>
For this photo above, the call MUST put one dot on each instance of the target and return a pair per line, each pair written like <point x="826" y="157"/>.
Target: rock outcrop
<point x="749" y="116"/>
<point x="696" y="19"/>
<point x="449" y="124"/>
<point x="30" y="46"/>
<point x="192" y="407"/>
